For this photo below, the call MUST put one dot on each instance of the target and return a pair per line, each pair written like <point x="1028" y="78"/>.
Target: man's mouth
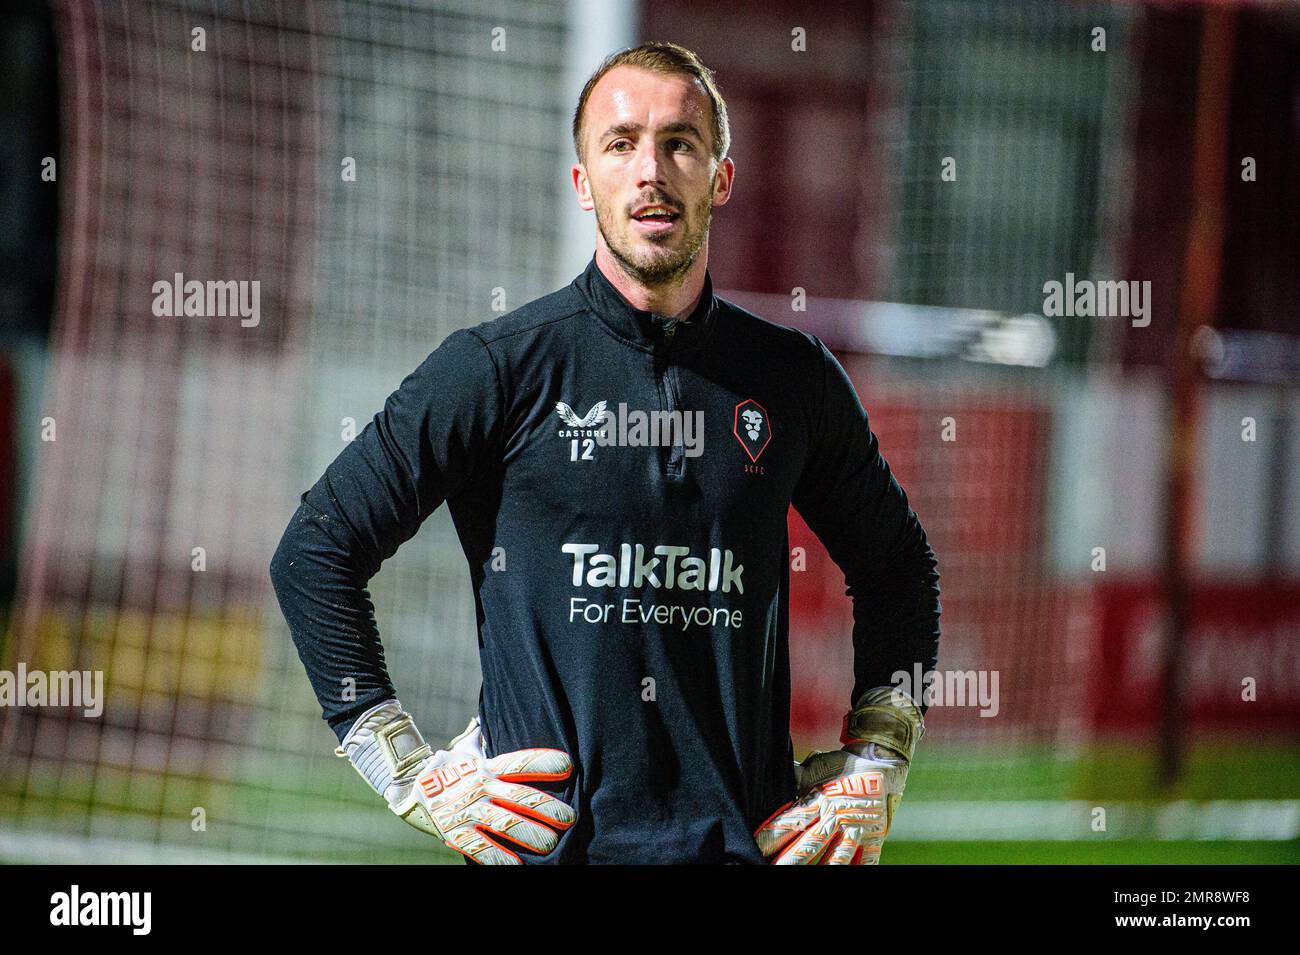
<point x="655" y="218"/>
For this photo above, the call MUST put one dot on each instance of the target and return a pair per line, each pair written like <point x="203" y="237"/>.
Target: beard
<point x="651" y="262"/>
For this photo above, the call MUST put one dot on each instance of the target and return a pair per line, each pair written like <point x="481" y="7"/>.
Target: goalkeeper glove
<point x="846" y="799"/>
<point x="475" y="805"/>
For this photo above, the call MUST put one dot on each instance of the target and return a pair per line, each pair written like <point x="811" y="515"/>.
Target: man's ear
<point x="722" y="181"/>
<point x="582" y="186"/>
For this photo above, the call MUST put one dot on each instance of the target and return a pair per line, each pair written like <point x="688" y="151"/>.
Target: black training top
<point x="630" y="569"/>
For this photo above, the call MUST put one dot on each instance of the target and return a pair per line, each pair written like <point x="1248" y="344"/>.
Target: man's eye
<point x="680" y="142"/>
<point x="616" y="144"/>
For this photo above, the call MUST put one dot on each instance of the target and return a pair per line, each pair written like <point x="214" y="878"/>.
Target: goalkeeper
<point x="631" y="582"/>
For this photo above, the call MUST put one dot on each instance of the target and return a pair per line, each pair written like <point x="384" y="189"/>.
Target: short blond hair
<point x="669" y="59"/>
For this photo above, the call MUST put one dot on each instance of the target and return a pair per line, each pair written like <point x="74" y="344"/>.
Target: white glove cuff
<point x="384" y="746"/>
<point x="469" y="742"/>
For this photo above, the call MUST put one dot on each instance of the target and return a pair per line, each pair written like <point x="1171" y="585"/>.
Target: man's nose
<point x="648" y="164"/>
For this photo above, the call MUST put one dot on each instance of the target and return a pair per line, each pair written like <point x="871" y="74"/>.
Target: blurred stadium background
<point x="1119" y="689"/>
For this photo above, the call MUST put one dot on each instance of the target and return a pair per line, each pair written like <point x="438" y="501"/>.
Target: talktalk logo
<point x="670" y="568"/>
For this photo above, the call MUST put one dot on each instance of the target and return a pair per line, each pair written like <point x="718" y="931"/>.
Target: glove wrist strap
<point x="886" y="716"/>
<point x="384" y="746"/>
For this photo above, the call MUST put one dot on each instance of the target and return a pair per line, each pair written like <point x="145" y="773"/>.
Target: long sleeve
<point x="851" y="501"/>
<point x="433" y="435"/>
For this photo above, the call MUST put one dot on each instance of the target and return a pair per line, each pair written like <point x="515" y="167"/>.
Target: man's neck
<point x="676" y="300"/>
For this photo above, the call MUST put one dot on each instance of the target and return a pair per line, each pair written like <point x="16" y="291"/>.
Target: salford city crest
<point x="753" y="428"/>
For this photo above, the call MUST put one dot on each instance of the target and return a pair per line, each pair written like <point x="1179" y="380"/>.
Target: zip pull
<point x="667" y="328"/>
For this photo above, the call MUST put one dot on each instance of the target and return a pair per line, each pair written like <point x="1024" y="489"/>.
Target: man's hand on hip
<point x="477" y="806"/>
<point x="846" y="799"/>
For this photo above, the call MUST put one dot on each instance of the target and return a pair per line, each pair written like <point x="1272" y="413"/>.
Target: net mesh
<point x="386" y="173"/>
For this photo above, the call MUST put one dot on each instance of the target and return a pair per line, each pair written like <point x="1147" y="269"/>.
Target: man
<point x="631" y="444"/>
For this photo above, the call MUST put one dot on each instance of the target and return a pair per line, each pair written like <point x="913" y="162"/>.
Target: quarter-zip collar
<point x="640" y="328"/>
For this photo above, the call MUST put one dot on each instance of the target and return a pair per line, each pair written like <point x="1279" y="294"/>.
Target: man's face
<point x="649" y="172"/>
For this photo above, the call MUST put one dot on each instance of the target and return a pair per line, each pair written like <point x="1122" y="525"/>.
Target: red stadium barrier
<point x="1239" y="632"/>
